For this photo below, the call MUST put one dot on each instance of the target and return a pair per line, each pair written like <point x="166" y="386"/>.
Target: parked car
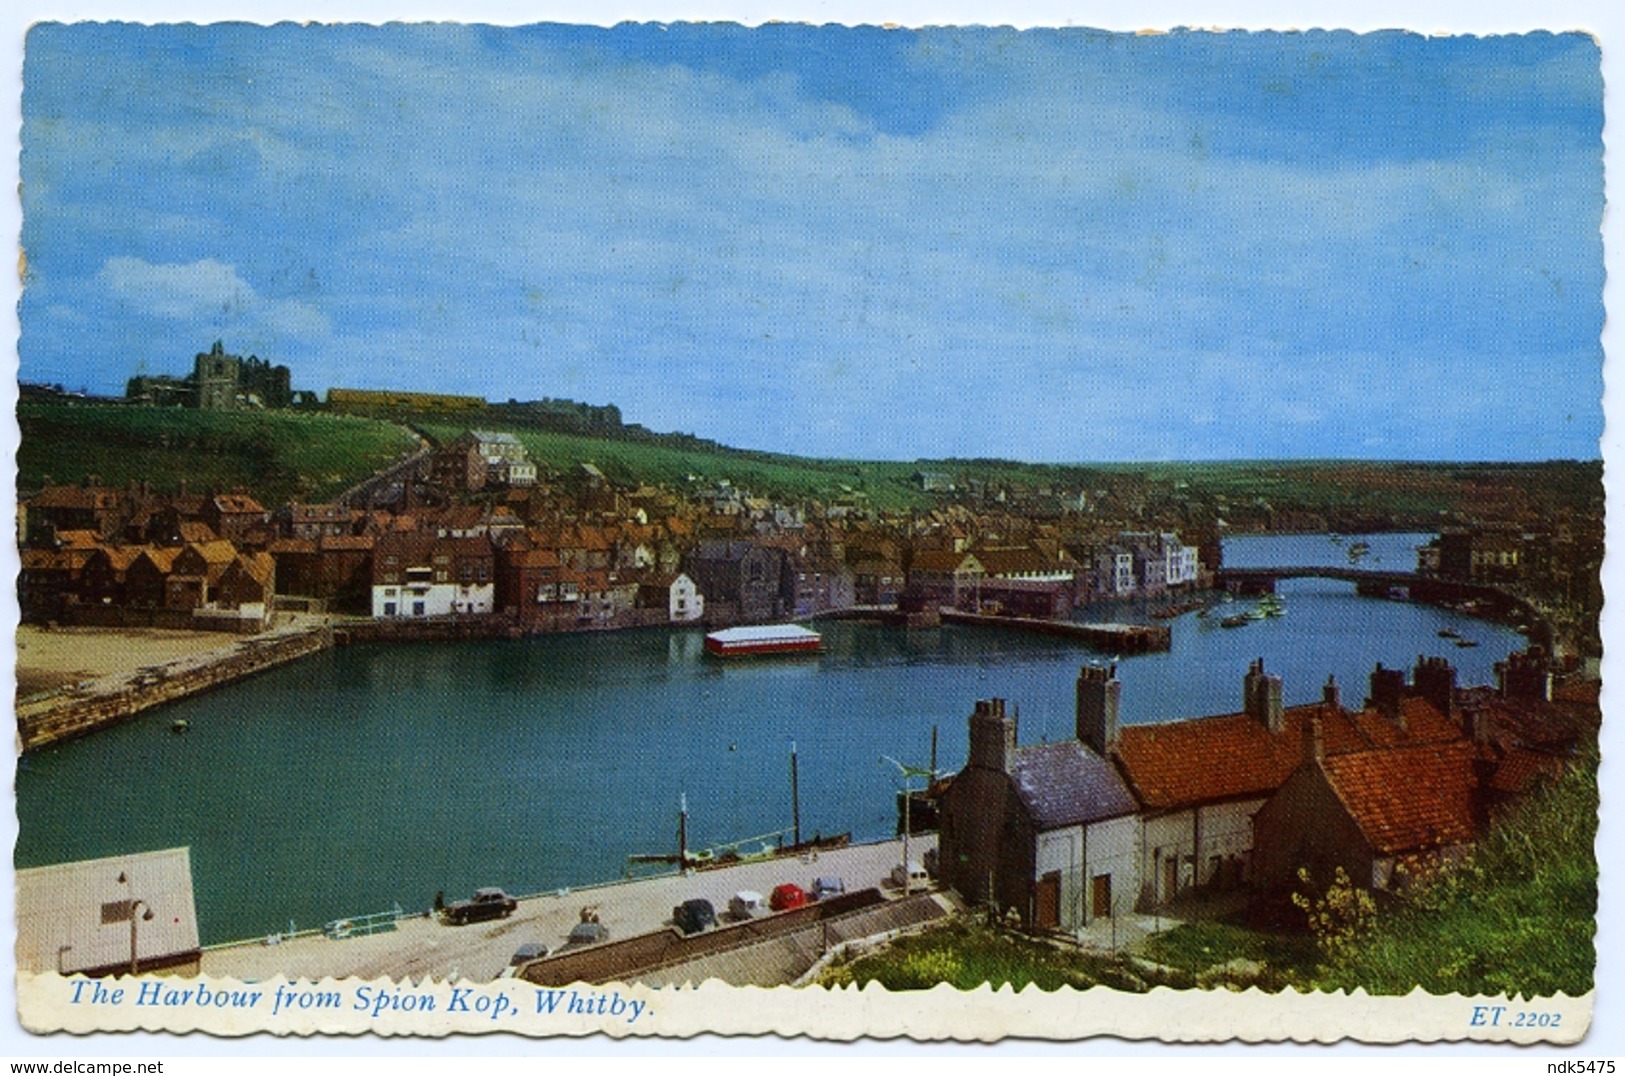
<point x="826" y="886"/>
<point x="914" y="876"/>
<point x="588" y="933"/>
<point x="485" y="904"/>
<point x="747" y="904"/>
<point x="522" y="956"/>
<point x="787" y="896"/>
<point x="693" y="916"/>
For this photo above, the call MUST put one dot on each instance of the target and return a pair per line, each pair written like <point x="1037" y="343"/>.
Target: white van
<point x="914" y="875"/>
<point x="747" y="904"/>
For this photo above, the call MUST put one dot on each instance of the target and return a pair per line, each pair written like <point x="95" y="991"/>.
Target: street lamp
<point x="134" y="919"/>
<point x="134" y="904"/>
<point x="908" y="773"/>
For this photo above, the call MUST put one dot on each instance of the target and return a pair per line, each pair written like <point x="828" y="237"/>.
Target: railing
<point x="356" y="926"/>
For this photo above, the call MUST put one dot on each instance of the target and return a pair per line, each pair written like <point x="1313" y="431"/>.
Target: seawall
<point x="107" y="702"/>
<point x="1116" y="638"/>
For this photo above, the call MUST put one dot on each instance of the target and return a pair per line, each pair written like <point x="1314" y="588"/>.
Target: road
<point x="425" y="947"/>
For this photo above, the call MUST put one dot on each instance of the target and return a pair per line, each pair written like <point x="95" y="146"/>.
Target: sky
<point x="1054" y="245"/>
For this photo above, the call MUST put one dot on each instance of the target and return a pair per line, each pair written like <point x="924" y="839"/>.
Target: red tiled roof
<point x="291" y="545"/>
<point x="1407" y="799"/>
<point x="346" y="543"/>
<point x="930" y="560"/>
<point x="1013" y="561"/>
<point x="259" y="566"/>
<point x="1423" y="724"/>
<point x="65" y="560"/>
<point x="162" y="557"/>
<point x="120" y="557"/>
<point x="237" y="502"/>
<point x="218" y="551"/>
<point x="80" y="497"/>
<point x="78" y="539"/>
<point x="1234" y="756"/>
<point x="1522" y="768"/>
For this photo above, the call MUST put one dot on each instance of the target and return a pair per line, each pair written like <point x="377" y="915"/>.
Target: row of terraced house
<point x="541" y="555"/>
<point x="1131" y="817"/>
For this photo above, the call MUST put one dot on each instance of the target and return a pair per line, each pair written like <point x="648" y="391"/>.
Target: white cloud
<point x="208" y="292"/>
<point x="176" y="291"/>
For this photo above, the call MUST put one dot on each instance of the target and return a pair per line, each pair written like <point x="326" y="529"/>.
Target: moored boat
<point x="763" y="639"/>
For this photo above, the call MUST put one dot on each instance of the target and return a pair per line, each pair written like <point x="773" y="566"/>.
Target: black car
<point x="485" y="904"/>
<point x="693" y="916"/>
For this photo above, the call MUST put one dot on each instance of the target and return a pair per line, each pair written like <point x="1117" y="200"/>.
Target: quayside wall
<point x="1113" y="638"/>
<point x="68" y="715"/>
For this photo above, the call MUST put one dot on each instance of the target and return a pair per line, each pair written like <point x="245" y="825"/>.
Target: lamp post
<point x="908" y="773"/>
<point x="134" y="905"/>
<point x="134" y="920"/>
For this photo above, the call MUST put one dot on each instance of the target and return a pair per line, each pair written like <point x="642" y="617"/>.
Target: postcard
<point x="847" y="531"/>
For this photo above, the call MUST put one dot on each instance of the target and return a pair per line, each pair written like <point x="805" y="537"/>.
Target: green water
<point x="369" y="776"/>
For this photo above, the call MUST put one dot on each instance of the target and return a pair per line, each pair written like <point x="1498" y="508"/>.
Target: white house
<point x="1048" y="830"/>
<point x="417" y="576"/>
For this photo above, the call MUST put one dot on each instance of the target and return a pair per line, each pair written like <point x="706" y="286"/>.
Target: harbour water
<point x="370" y="776"/>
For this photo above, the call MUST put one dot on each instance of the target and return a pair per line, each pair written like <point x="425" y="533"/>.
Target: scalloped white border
<point x="46" y="1003"/>
<point x="1352" y="1017"/>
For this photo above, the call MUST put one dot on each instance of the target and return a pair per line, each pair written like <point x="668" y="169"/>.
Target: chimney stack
<point x="1262" y="697"/>
<point x="992" y="736"/>
<point x="1332" y="695"/>
<point x="1387" y="692"/>
<point x="1525" y="675"/>
<point x="1314" y="739"/>
<point x="1436" y="682"/>
<point x="1099" y="709"/>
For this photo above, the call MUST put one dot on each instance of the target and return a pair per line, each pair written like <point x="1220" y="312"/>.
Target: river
<point x="372" y="775"/>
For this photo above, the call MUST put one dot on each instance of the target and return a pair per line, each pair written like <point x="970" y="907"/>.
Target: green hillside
<point x="1519" y="917"/>
<point x="792" y="478"/>
<point x="276" y="455"/>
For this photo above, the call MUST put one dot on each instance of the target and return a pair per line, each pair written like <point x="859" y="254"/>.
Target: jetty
<point x="1107" y="637"/>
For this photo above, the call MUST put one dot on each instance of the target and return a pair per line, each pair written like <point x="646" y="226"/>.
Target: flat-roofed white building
<point x="108" y="916"/>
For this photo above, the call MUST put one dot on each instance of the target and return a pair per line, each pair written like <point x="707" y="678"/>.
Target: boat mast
<point x="795" y="795"/>
<point x="682" y="831"/>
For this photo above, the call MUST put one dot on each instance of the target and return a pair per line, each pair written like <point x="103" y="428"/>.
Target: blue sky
<point x="1047" y="245"/>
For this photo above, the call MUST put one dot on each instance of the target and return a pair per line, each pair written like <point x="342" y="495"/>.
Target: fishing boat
<point x="1464" y="643"/>
<point x="763" y="639"/>
<point x="1448" y="634"/>
<point x="1271" y="605"/>
<point x="1358" y="550"/>
<point x="1237" y="621"/>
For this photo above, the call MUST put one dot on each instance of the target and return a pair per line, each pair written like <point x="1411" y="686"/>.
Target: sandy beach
<point x="51" y="659"/>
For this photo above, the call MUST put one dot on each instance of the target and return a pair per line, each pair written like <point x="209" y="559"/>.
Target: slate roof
<point x="1066" y="784"/>
<point x="1407" y="799"/>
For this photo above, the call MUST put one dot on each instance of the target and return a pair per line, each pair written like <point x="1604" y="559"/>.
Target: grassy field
<point x="886" y="484"/>
<point x="276" y="455"/>
<point x="285" y="454"/>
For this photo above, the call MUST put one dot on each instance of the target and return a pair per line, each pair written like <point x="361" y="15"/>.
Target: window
<point x="389" y="608"/>
<point x="417" y="608"/>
